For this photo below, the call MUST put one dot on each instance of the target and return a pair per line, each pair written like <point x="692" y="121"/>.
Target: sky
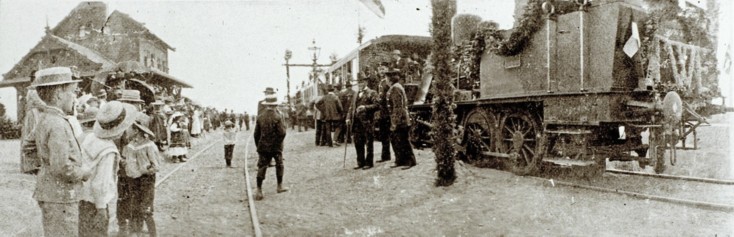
<point x="231" y="50"/>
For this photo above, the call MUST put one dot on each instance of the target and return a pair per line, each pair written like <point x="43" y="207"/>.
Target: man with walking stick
<point x="362" y="112"/>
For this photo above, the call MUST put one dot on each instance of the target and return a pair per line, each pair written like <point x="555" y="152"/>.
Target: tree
<point x="2" y="110"/>
<point x="443" y="103"/>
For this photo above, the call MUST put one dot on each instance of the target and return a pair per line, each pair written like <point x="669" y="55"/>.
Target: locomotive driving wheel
<point x="479" y="134"/>
<point x="520" y="133"/>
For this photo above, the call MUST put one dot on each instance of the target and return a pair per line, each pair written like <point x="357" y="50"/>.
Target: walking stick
<point x="349" y="128"/>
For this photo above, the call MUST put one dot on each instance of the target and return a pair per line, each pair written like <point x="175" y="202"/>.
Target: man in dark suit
<point x="331" y="109"/>
<point x="260" y="106"/>
<point x="383" y="120"/>
<point x="363" y="125"/>
<point x="399" y="122"/>
<point x="345" y="97"/>
<point x="269" y="135"/>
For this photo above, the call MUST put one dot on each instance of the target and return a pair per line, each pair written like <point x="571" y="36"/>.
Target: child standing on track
<point x="141" y="165"/>
<point x="178" y="149"/>
<point x="229" y="141"/>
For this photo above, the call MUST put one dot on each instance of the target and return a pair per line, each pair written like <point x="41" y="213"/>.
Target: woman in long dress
<point x="196" y="123"/>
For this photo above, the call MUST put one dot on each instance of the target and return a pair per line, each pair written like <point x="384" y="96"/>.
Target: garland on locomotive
<point x="578" y="82"/>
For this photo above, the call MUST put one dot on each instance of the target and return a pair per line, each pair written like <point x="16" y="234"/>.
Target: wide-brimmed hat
<point x="89" y="115"/>
<point x="158" y="102"/>
<point x="271" y="99"/>
<point x="396" y="52"/>
<point x="269" y="90"/>
<point x="228" y="123"/>
<point x="144" y="129"/>
<point x="114" y="118"/>
<point x="53" y="76"/>
<point x="130" y="96"/>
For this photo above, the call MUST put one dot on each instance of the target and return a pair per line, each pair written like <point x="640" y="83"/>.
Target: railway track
<point x="250" y="199"/>
<point x="599" y="186"/>
<point x="673" y="177"/>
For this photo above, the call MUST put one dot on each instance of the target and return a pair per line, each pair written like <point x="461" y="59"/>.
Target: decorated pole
<point x="443" y="104"/>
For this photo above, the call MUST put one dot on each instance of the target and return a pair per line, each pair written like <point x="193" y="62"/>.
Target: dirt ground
<point x="329" y="198"/>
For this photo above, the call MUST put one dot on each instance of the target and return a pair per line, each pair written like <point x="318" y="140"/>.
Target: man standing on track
<point x="269" y="135"/>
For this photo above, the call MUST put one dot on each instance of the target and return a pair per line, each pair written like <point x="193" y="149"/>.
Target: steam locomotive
<point x="577" y="83"/>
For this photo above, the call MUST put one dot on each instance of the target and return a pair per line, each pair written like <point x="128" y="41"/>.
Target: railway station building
<point x="89" y="40"/>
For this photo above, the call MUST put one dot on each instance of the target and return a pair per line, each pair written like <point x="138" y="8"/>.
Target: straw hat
<point x="130" y="96"/>
<point x="269" y="90"/>
<point x="113" y="119"/>
<point x="228" y="123"/>
<point x="89" y="115"/>
<point x="271" y="99"/>
<point x="53" y="76"/>
<point x="144" y="129"/>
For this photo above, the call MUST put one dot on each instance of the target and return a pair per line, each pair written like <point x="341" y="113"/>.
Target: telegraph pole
<point x="314" y="65"/>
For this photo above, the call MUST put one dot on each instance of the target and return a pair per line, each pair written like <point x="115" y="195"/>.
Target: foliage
<point x="530" y="22"/>
<point x="443" y="105"/>
<point x="9" y="129"/>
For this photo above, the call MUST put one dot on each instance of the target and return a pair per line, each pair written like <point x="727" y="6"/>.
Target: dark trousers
<point x="262" y="166"/>
<point x="384" y="124"/>
<point x="364" y="139"/>
<point x="142" y="201"/>
<point x="124" y="199"/>
<point x="228" y="150"/>
<point x="339" y="130"/>
<point x="247" y="125"/>
<point x="401" y="145"/>
<point x="319" y="132"/>
<point x="89" y="223"/>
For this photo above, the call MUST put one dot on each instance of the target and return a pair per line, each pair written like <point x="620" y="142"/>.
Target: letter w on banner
<point x="375" y="6"/>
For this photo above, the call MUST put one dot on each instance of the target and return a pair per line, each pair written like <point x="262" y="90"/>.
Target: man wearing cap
<point x="158" y="125"/>
<point x="399" y="122"/>
<point x="331" y="109"/>
<point x="383" y="120"/>
<point x="363" y="126"/>
<point x="345" y="97"/>
<point x="60" y="177"/>
<point x="103" y="156"/>
<point x="269" y="135"/>
<point x="260" y="106"/>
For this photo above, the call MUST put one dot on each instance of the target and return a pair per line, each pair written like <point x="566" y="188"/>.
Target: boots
<point x="258" y="194"/>
<point x="282" y="189"/>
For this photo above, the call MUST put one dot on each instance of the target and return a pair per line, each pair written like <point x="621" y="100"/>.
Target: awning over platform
<point x="14" y="82"/>
<point x="166" y="78"/>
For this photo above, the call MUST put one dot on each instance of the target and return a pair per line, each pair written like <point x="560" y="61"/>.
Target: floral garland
<point x="530" y="22"/>
<point x="443" y="118"/>
<point x="488" y="37"/>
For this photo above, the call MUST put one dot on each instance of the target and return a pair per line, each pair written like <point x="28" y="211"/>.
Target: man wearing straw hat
<point x="61" y="174"/>
<point x="260" y="106"/>
<point x="269" y="135"/>
<point x="102" y="159"/>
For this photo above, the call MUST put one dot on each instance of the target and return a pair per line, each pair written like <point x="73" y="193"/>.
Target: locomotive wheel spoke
<point x="519" y="132"/>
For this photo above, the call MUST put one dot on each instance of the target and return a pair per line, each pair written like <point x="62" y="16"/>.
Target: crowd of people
<point x="88" y="149"/>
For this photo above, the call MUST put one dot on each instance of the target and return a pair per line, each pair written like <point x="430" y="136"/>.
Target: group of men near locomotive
<point x="355" y="114"/>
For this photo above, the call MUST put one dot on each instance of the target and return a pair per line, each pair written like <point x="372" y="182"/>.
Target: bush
<point x="9" y="129"/>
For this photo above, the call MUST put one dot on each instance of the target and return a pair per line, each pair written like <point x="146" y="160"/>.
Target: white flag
<point x="375" y="6"/>
<point x="633" y="43"/>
